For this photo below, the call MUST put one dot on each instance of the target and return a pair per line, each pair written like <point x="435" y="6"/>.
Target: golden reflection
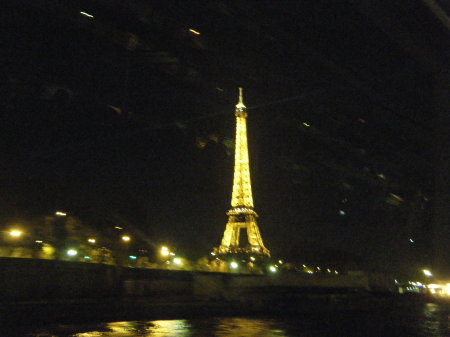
<point x="162" y="328"/>
<point x="223" y="327"/>
<point x="237" y="327"/>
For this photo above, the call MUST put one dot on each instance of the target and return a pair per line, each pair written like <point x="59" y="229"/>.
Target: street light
<point x="427" y="273"/>
<point x="15" y="233"/>
<point x="126" y="238"/>
<point x="91" y="240"/>
<point x="234" y="265"/>
<point x="164" y="251"/>
<point x="72" y="252"/>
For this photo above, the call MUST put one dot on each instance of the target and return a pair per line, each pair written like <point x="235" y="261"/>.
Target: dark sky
<point x="127" y="117"/>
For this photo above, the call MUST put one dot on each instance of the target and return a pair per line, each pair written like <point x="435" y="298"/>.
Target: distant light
<point x="341" y="212"/>
<point x="306" y="124"/>
<point x="336" y="272"/>
<point x="213" y="254"/>
<point x="280" y="261"/>
<point x="177" y="261"/>
<point x="164" y="251"/>
<point x="252" y="258"/>
<point x="318" y="268"/>
<point x="72" y="252"/>
<point x="15" y="233"/>
<point x="91" y="240"/>
<point x="172" y="254"/>
<point x="87" y="257"/>
<point x="220" y="89"/>
<point x="126" y="238"/>
<point x="381" y="176"/>
<point x="132" y="257"/>
<point x="234" y="265"/>
<point x="328" y="270"/>
<point x="193" y="31"/>
<point x="60" y="213"/>
<point x="117" y="227"/>
<point x="273" y="269"/>
<point x="344" y="200"/>
<point x="426" y="272"/>
<point x="304" y="265"/>
<point x="309" y="272"/>
<point x="411" y="240"/>
<point x="87" y="14"/>
<point x="38" y="241"/>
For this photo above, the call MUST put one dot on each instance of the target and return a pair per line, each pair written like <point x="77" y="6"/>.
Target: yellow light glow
<point x="164" y="251"/>
<point x="126" y="238"/>
<point x="252" y="258"/>
<point x="306" y="124"/>
<point x="193" y="31"/>
<point x="38" y="241"/>
<point x="273" y="269"/>
<point x="72" y="252"/>
<point x="177" y="261"/>
<point x="117" y="227"/>
<point x="15" y="233"/>
<point x="60" y="213"/>
<point x="234" y="265"/>
<point x="91" y="240"/>
<point x="426" y="272"/>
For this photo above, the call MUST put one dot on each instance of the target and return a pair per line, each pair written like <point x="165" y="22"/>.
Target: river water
<point x="419" y="319"/>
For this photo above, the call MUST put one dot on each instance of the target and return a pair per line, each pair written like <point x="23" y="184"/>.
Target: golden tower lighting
<point x="241" y="216"/>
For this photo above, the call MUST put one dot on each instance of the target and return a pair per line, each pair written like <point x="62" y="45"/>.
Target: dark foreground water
<point x="416" y="319"/>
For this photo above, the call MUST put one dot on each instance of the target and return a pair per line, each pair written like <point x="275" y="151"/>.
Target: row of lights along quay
<point x="64" y="237"/>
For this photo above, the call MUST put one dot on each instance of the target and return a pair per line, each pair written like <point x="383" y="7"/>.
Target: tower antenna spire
<point x="240" y="104"/>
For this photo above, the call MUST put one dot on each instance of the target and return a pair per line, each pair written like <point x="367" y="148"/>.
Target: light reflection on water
<point x="395" y="320"/>
<point x="223" y="327"/>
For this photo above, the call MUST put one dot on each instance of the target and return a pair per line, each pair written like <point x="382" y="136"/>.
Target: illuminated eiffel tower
<point x="241" y="216"/>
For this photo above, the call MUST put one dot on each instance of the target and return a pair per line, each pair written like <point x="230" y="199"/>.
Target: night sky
<point x="127" y="118"/>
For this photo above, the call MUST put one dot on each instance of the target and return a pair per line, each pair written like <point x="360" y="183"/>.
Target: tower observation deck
<point x="241" y="216"/>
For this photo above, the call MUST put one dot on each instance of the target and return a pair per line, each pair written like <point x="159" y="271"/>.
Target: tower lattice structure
<point x="241" y="216"/>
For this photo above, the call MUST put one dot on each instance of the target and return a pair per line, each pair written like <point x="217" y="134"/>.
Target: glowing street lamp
<point x="273" y="269"/>
<point x="15" y="233"/>
<point x="91" y="240"/>
<point x="59" y="213"/>
<point x="72" y="252"/>
<point x="427" y="273"/>
<point x="126" y="238"/>
<point x="234" y="265"/>
<point x="164" y="251"/>
<point x="177" y="261"/>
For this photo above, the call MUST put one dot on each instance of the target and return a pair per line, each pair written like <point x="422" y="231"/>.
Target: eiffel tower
<point x="241" y="216"/>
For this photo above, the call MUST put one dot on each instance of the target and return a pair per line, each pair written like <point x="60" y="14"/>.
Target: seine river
<point x="419" y="319"/>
